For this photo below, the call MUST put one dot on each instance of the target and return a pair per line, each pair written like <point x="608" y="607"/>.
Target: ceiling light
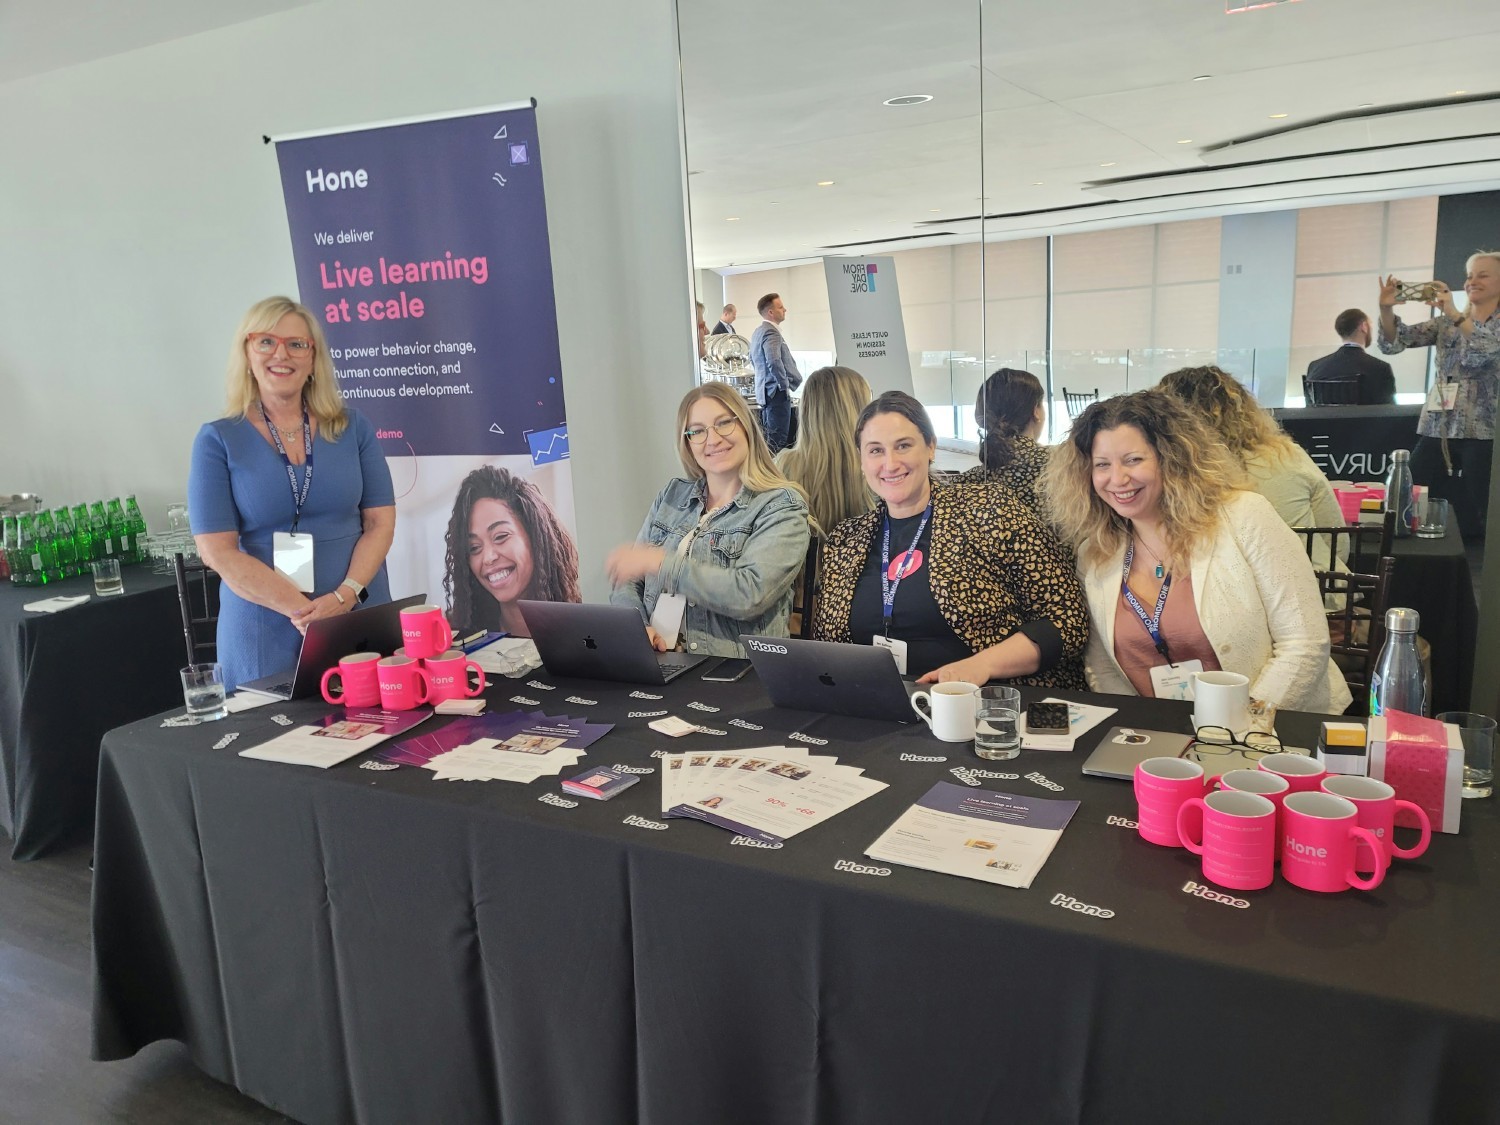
<point x="908" y="99"/>
<point x="1108" y="164"/>
<point x="1365" y="105"/>
<point x="1203" y="78"/>
<point x="774" y="203"/>
<point x="1278" y="116"/>
<point x="1037" y="183"/>
<point x="825" y="183"/>
<point x="934" y="210"/>
<point x="1186" y="142"/>
<point x="732" y="219"/>
<point x="1458" y="93"/>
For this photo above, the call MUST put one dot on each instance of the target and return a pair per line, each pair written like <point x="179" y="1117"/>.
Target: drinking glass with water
<point x="997" y="723"/>
<point x="203" y="691"/>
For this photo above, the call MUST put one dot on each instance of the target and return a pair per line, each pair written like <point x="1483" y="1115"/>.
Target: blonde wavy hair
<point x="321" y="391"/>
<point x="759" y="473"/>
<point x="1197" y="473"/>
<point x="1242" y="423"/>
<point x="825" y="460"/>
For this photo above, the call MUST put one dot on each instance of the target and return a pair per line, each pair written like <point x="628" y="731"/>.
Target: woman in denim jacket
<point x="727" y="540"/>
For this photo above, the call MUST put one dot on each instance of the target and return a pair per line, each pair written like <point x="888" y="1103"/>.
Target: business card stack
<point x="769" y="793"/>
<point x="516" y="746"/>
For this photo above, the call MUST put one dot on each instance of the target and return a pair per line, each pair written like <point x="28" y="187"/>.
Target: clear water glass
<point x="203" y="692"/>
<point x="1478" y="734"/>
<point x="997" y="723"/>
<point x="107" y="580"/>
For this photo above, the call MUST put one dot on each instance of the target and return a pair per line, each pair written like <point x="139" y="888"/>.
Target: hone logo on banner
<point x="861" y="276"/>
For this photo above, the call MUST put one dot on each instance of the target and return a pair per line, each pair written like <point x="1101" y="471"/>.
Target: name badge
<point x="292" y="555"/>
<point x="666" y="618"/>
<point x="1442" y="396"/>
<point x="1175" y="681"/>
<point x="896" y="647"/>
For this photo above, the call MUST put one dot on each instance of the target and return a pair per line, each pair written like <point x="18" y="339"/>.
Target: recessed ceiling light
<point x="1186" y="142"/>
<point x="1365" y="105"/>
<point x="1278" y="116"/>
<point x="1108" y="164"/>
<point x="934" y="210"/>
<point x="775" y="203"/>
<point x="1203" y="78"/>
<point x="732" y="219"/>
<point x="908" y="99"/>
<point x="825" y="183"/>
<point x="1458" y="93"/>
<point x="1038" y="183"/>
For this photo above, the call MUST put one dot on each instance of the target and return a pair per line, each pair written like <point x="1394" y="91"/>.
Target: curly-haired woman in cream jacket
<point x="1150" y="500"/>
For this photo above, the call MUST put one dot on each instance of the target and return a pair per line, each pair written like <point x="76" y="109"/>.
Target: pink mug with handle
<point x="448" y="676"/>
<point x="1161" y="786"/>
<point x="359" y="680"/>
<point x="1302" y="774"/>
<point x="403" y="684"/>
<point x="1237" y="839"/>
<point x="1320" y="836"/>
<point x="425" y="632"/>
<point x="1376" y="804"/>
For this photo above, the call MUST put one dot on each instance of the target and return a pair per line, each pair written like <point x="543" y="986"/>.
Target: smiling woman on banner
<point x="1183" y="567"/>
<point x="505" y="543"/>
<point x="722" y="545"/>
<point x="960" y="582"/>
<point x="290" y="547"/>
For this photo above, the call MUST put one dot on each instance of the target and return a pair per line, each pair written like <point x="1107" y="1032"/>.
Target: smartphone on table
<point x="727" y="671"/>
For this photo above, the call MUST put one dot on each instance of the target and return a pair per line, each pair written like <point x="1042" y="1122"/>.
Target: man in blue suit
<point x="776" y="374"/>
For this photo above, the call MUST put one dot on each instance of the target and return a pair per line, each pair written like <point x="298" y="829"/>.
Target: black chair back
<point x="1079" y="401"/>
<point x="1331" y="392"/>
<point x="198" y="601"/>
<point x="807" y="590"/>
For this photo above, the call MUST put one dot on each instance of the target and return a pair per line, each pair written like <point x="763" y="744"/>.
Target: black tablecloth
<point x="1433" y="577"/>
<point x="378" y="946"/>
<point x="1351" y="442"/>
<point x="65" y="679"/>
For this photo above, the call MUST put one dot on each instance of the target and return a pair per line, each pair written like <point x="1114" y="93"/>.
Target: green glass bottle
<point x="83" y="539"/>
<point x="26" y="553"/>
<point x="7" y="543"/>
<point x="117" y="530"/>
<point x="46" y="545"/>
<point x="67" y="549"/>
<point x="104" y="546"/>
<point x="137" y="526"/>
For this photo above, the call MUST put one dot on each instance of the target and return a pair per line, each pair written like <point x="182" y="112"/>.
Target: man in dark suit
<point x="726" y="323"/>
<point x="1350" y="376"/>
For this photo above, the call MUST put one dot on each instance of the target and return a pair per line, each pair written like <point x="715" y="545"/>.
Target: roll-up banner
<point x="422" y="247"/>
<point x="868" y="332"/>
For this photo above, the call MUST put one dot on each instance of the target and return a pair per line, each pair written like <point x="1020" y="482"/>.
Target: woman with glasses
<point x="961" y="582"/>
<point x="721" y="547"/>
<point x="289" y="496"/>
<point x="1183" y="567"/>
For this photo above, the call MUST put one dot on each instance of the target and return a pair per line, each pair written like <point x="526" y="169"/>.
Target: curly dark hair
<point x="1005" y="406"/>
<point x="554" y="557"/>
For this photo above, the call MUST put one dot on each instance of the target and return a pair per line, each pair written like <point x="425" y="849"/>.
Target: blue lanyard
<point x="1152" y="623"/>
<point x="888" y="587"/>
<point x="291" y="472"/>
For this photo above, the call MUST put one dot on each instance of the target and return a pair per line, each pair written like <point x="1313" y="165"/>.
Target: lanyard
<point x="888" y="587"/>
<point x="1153" y="623"/>
<point x="291" y="472"/>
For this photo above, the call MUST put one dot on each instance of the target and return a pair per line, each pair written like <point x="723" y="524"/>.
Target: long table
<point x="1432" y="576"/>
<point x="65" y="679"/>
<point x="351" y="945"/>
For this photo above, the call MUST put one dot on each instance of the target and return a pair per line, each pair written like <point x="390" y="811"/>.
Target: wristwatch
<point x="360" y="591"/>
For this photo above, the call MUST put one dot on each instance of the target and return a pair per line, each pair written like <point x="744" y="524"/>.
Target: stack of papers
<point x="54" y="605"/>
<point x="512" y="657"/>
<point x="997" y="837"/>
<point x="514" y="746"/>
<point x="769" y="793"/>
<point x="336" y="736"/>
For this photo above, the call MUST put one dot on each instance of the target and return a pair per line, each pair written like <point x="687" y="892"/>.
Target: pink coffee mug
<point x="359" y="680"/>
<point x="1161" y="786"/>
<point x="1238" y="837"/>
<point x="403" y="684"/>
<point x="425" y="632"/>
<point x="1320" y="835"/>
<point x="1272" y="786"/>
<point x="1303" y="774"/>
<point x="448" y="676"/>
<point x="1376" y="803"/>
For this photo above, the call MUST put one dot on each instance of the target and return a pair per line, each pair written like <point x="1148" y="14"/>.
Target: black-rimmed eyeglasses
<point x="697" y="435"/>
<point x="1220" y="740"/>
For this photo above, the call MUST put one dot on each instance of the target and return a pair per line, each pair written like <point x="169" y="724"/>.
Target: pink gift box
<point x="1423" y="761"/>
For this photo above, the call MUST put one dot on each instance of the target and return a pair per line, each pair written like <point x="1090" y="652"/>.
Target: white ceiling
<point x="776" y="104"/>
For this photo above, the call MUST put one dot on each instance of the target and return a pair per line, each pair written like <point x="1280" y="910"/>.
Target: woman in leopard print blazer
<point x="977" y="587"/>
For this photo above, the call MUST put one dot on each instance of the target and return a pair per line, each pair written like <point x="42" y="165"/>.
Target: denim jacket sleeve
<point x="754" y="562"/>
<point x="634" y="593"/>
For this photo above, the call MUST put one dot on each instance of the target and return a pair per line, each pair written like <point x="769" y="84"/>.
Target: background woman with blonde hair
<point x="825" y="461"/>
<point x="721" y="546"/>
<point x="1277" y="466"/>
<point x="252" y="476"/>
<point x="1182" y="569"/>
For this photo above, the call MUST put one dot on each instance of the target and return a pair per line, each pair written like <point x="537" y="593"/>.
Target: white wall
<point x="140" y="215"/>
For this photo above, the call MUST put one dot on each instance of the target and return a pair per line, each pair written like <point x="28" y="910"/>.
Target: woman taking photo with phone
<point x="721" y="546"/>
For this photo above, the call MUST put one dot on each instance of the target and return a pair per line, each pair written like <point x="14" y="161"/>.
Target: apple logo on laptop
<point x="588" y="642"/>
<point x="826" y="680"/>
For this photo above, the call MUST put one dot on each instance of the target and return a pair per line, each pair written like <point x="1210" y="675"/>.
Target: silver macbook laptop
<point x="835" y="679"/>
<point x="375" y="628"/>
<point x="600" y="642"/>
<point x="1124" y="748"/>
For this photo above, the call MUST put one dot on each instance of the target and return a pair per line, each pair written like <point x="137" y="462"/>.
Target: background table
<point x="65" y="679"/>
<point x="378" y="946"/>
<point x="1351" y="442"/>
<point x="1433" y="577"/>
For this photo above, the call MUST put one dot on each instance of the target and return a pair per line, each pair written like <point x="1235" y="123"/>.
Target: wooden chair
<point x="1360" y="546"/>
<point x="1079" y="402"/>
<point x="198" y="601"/>
<point x="1356" y="629"/>
<point x="807" y="590"/>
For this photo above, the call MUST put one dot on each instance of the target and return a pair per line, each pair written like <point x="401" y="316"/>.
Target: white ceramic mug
<point x="1221" y="699"/>
<point x="951" y="709"/>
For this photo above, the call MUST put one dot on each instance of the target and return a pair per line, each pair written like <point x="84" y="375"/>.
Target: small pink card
<point x="1423" y="760"/>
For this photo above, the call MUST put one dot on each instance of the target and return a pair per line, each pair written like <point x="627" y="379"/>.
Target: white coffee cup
<point x="952" y="707"/>
<point x="1221" y="699"/>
